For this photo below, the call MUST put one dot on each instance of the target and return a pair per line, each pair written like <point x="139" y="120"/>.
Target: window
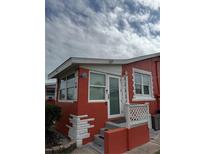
<point x="63" y="89"/>
<point x="142" y="84"/>
<point x="67" y="88"/>
<point x="97" y="86"/>
<point x="71" y="87"/>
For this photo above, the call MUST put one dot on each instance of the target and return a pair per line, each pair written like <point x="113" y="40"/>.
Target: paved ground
<point x="149" y="148"/>
<point x="84" y="150"/>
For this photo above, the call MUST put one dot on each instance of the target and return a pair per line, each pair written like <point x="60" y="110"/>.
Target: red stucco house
<point x="108" y="101"/>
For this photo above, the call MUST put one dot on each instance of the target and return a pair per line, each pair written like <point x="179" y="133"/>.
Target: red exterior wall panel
<point x="152" y="65"/>
<point x="66" y="109"/>
<point x="121" y="140"/>
<point x="115" y="141"/>
<point x="138" y="136"/>
<point x="50" y="101"/>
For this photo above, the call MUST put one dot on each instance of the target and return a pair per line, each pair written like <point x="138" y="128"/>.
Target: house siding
<point x="152" y="65"/>
<point x="97" y="110"/>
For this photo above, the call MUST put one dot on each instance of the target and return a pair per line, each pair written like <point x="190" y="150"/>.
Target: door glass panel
<point x="114" y="96"/>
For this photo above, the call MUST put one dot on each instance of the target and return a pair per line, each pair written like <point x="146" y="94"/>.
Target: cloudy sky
<point x="100" y="28"/>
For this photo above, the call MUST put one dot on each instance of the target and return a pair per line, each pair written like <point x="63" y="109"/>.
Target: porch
<point x="126" y="132"/>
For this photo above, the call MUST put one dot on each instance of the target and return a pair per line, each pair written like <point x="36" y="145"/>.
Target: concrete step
<point x="99" y="140"/>
<point x="96" y="147"/>
<point x="111" y="125"/>
<point x="102" y="131"/>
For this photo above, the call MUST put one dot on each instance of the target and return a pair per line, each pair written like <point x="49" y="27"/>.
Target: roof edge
<point x="80" y="60"/>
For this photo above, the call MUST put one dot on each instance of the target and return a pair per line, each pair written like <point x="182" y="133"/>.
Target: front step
<point x="103" y="130"/>
<point x="98" y="143"/>
<point x="96" y="147"/>
<point x="99" y="140"/>
<point x="111" y="125"/>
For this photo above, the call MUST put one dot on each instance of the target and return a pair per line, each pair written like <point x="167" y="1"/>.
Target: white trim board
<point x="108" y="69"/>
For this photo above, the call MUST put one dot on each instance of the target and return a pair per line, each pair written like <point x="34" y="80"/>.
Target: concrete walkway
<point x="149" y="148"/>
<point x="86" y="149"/>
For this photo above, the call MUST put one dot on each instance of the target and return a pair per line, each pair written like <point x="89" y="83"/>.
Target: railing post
<point x="127" y="115"/>
<point x="148" y="117"/>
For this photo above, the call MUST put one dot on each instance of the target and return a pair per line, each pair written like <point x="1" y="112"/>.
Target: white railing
<point x="137" y="114"/>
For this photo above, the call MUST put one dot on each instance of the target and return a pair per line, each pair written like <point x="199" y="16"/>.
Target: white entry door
<point x="114" y="98"/>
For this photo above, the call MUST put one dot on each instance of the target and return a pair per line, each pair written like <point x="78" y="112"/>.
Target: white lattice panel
<point x="137" y="113"/>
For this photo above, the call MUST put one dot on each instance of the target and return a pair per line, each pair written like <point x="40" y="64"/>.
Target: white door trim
<point x="120" y="102"/>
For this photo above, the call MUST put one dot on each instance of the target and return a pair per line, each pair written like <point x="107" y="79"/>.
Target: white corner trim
<point x="79" y="129"/>
<point x="127" y="88"/>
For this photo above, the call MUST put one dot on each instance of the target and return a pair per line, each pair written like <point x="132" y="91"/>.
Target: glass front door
<point x="114" y="96"/>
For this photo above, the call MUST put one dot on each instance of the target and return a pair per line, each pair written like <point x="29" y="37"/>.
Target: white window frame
<point x="76" y="87"/>
<point x="142" y="97"/>
<point x="97" y="101"/>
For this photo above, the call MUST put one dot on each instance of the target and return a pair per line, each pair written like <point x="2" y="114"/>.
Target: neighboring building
<point x="105" y="91"/>
<point x="50" y="92"/>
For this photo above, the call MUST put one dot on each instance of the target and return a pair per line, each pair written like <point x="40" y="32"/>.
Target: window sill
<point x="143" y="98"/>
<point x="97" y="101"/>
<point x="66" y="101"/>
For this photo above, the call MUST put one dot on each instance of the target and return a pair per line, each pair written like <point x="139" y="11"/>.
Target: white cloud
<point x="96" y="35"/>
<point x="154" y="4"/>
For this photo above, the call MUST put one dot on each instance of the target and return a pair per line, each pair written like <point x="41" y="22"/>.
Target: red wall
<point x="115" y="141"/>
<point x="121" y="140"/>
<point x="97" y="110"/>
<point x="151" y="65"/>
<point x="93" y="110"/>
<point x="137" y="136"/>
<point x="50" y="101"/>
